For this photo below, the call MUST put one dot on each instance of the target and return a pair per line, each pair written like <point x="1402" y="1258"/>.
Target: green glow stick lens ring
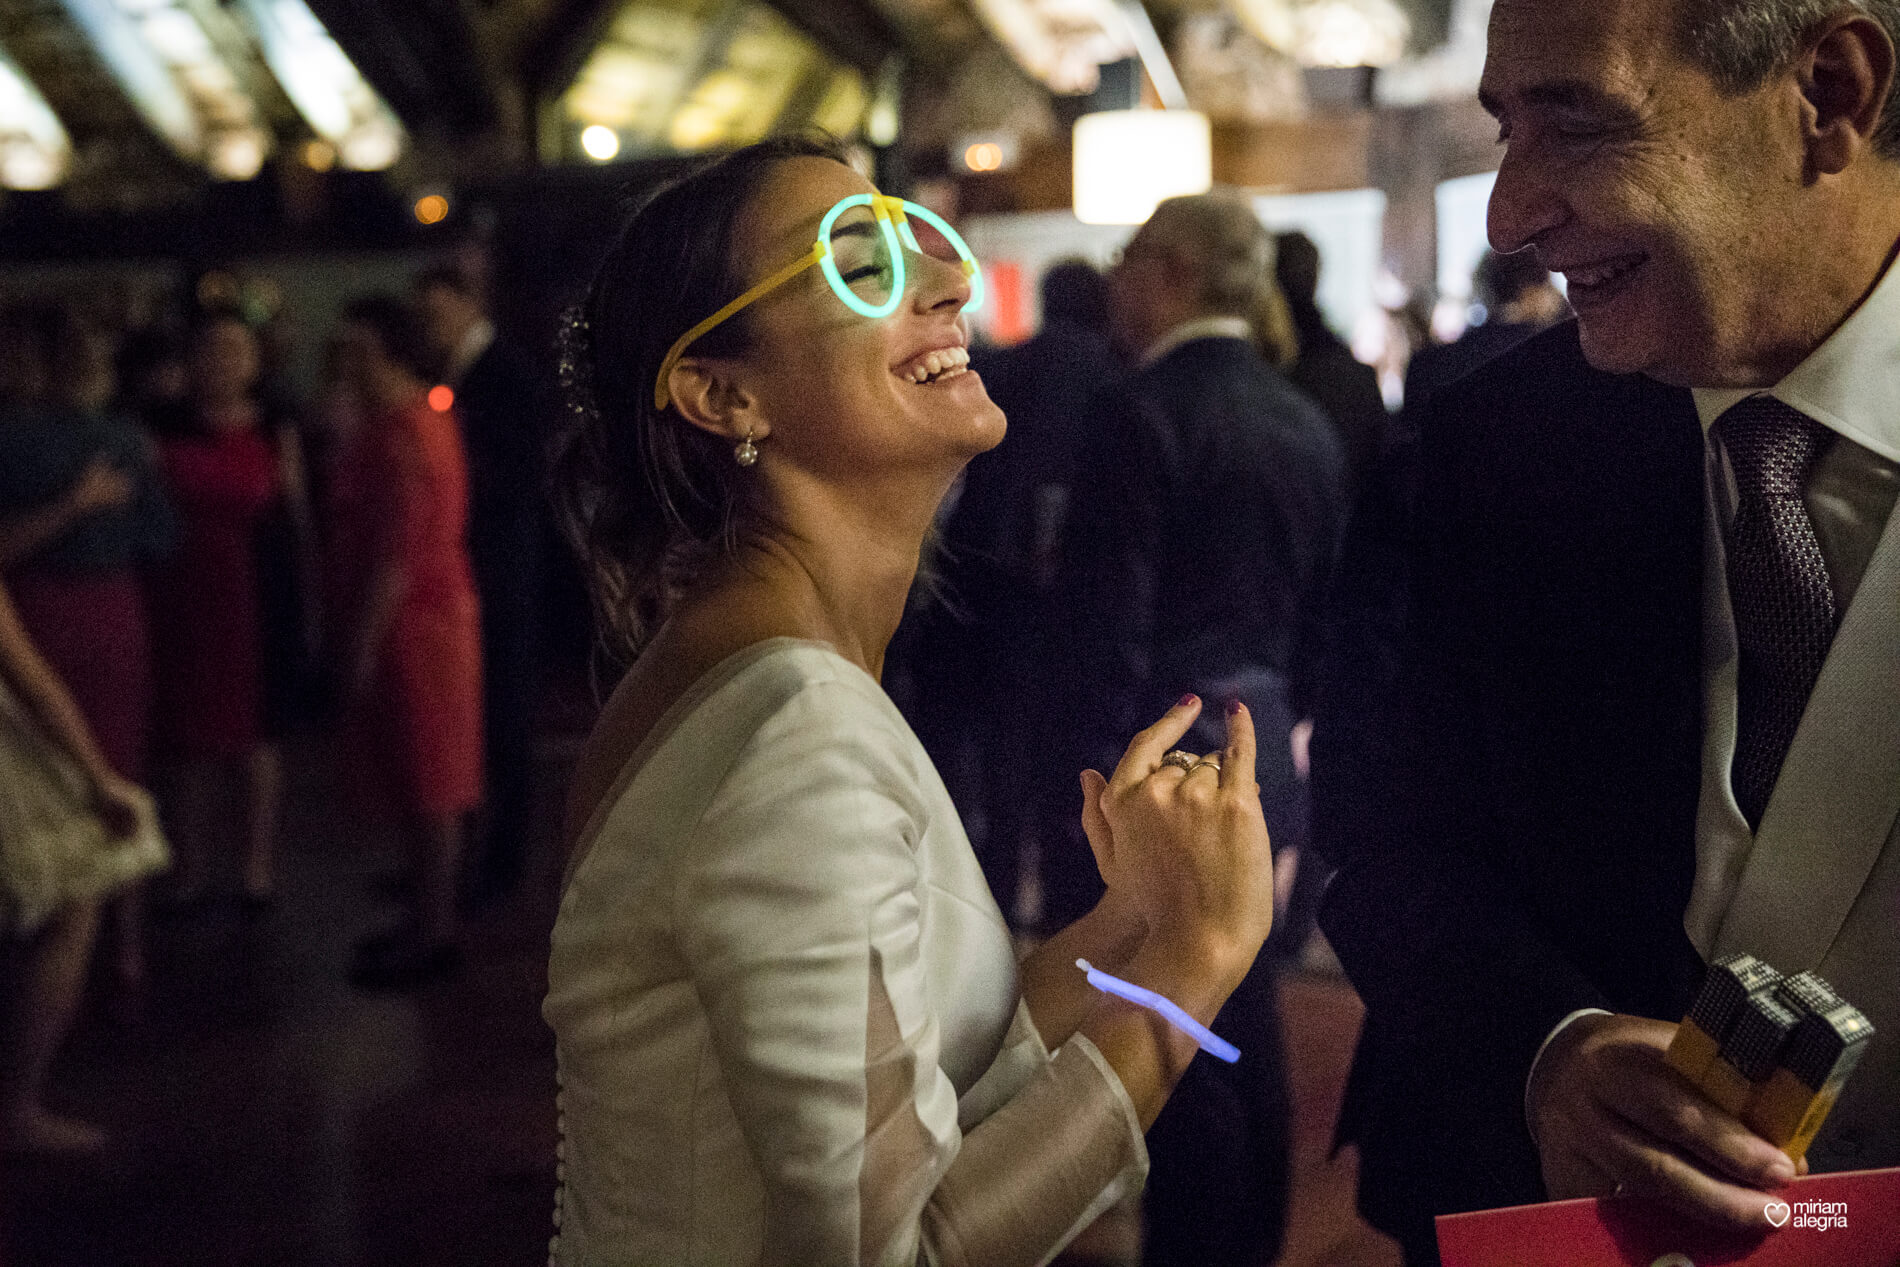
<point x="971" y="269"/>
<point x="830" y="265"/>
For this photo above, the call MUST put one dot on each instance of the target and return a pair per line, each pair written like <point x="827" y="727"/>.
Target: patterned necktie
<point x="1779" y="587"/>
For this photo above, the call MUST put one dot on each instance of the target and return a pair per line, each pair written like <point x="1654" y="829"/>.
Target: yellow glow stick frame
<point x="892" y="221"/>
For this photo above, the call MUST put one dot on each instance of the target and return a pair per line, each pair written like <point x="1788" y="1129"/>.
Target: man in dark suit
<point x="506" y="416"/>
<point x="1647" y="714"/>
<point x="1325" y="369"/>
<point x="1198" y="552"/>
<point x="987" y="666"/>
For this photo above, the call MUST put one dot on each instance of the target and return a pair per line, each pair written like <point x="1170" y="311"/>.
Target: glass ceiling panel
<point x="690" y="75"/>
<point x="739" y="102"/>
<point x="324" y="85"/>
<point x="181" y="80"/>
<point x="34" y="149"/>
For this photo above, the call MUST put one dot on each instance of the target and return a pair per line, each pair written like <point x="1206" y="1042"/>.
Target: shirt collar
<point x="474" y="343"/>
<point x="1199" y="328"/>
<point x="1850" y="384"/>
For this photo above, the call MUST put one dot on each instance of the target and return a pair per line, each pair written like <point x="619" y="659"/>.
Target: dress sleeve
<point x="801" y="924"/>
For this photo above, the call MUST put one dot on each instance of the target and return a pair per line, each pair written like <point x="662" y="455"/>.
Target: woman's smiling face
<point x="837" y="393"/>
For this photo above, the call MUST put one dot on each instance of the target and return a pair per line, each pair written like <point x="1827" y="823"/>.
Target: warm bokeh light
<point x="441" y="398"/>
<point x="319" y="155"/>
<point x="985" y="156"/>
<point x="219" y="290"/>
<point x="432" y="209"/>
<point x="600" y="142"/>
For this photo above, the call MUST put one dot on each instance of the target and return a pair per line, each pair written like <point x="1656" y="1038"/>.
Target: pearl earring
<point x="746" y="453"/>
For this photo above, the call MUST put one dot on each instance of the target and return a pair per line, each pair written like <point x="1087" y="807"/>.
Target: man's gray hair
<point x="1221" y="240"/>
<point x="1742" y="42"/>
<point x="1219" y="235"/>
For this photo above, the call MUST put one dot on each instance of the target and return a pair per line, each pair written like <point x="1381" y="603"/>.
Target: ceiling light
<point x="1127" y="161"/>
<point x="324" y="85"/>
<point x="1063" y="43"/>
<point x="181" y="79"/>
<point x="236" y="155"/>
<point x="600" y="143"/>
<point x="34" y="149"/>
<point x="1330" y="32"/>
<point x="432" y="209"/>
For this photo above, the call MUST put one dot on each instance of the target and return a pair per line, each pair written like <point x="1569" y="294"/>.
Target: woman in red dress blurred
<point x="413" y="642"/>
<point x="226" y="475"/>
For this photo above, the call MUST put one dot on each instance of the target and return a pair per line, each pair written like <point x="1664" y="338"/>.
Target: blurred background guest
<point x="1517" y="298"/>
<point x="73" y="831"/>
<point x="82" y="515"/>
<point x="1325" y="367"/>
<point x="987" y="660"/>
<point x="153" y="375"/>
<point x="506" y="418"/>
<point x="219" y="613"/>
<point x="1212" y="512"/>
<point x="412" y="640"/>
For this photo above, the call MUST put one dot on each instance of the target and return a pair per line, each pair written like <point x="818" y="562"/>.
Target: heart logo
<point x="1776" y="1212"/>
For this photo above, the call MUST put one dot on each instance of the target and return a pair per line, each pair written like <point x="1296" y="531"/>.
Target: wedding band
<point x="1182" y="761"/>
<point x="1212" y="765"/>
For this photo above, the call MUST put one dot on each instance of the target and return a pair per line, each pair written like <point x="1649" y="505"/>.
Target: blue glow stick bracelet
<point x="1166" y="1008"/>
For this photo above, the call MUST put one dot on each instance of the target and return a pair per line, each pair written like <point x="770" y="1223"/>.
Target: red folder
<point x="1843" y="1220"/>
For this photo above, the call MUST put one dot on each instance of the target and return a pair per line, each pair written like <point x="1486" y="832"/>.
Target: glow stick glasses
<point x="860" y="248"/>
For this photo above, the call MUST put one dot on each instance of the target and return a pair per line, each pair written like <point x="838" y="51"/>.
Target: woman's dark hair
<point x="397" y="329"/>
<point x="646" y="497"/>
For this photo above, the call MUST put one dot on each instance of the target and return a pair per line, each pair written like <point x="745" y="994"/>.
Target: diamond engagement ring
<point x="1183" y="761"/>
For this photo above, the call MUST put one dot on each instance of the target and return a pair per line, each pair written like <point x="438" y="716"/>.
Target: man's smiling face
<point x="1666" y="203"/>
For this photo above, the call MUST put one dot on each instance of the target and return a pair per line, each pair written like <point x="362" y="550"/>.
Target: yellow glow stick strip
<point x="772" y="283"/>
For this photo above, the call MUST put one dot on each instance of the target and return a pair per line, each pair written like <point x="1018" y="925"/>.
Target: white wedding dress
<point x="786" y="1007"/>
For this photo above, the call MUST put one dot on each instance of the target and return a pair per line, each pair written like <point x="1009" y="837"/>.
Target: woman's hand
<point x="1189" y="850"/>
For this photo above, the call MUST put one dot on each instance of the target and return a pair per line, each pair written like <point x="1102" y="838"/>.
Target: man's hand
<point x="1610" y="1116"/>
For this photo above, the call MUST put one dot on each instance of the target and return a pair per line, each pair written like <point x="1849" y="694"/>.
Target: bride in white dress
<point x="791" y="1028"/>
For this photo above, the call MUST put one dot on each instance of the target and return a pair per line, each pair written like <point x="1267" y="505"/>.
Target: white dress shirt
<point x="1851" y="386"/>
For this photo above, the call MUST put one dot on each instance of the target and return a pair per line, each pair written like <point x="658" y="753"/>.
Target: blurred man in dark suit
<point x="989" y="662"/>
<point x="1325" y="368"/>
<point x="1649" y="706"/>
<point x="1198" y="553"/>
<point x="506" y="414"/>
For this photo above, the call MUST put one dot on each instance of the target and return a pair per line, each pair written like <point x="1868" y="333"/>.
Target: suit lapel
<point x="1839" y="793"/>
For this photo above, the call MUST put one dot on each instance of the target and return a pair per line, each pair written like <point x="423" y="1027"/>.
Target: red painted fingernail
<point x="1189" y="700"/>
<point x="1233" y="706"/>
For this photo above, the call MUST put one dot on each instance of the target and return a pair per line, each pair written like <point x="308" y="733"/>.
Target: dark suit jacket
<point x="1202" y="542"/>
<point x="1437" y="367"/>
<point x="1542" y="799"/>
<point x="1349" y="393"/>
<point x="506" y="419"/>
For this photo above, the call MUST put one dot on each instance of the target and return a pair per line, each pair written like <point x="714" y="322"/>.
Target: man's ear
<point x="706" y="394"/>
<point x="1846" y="78"/>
